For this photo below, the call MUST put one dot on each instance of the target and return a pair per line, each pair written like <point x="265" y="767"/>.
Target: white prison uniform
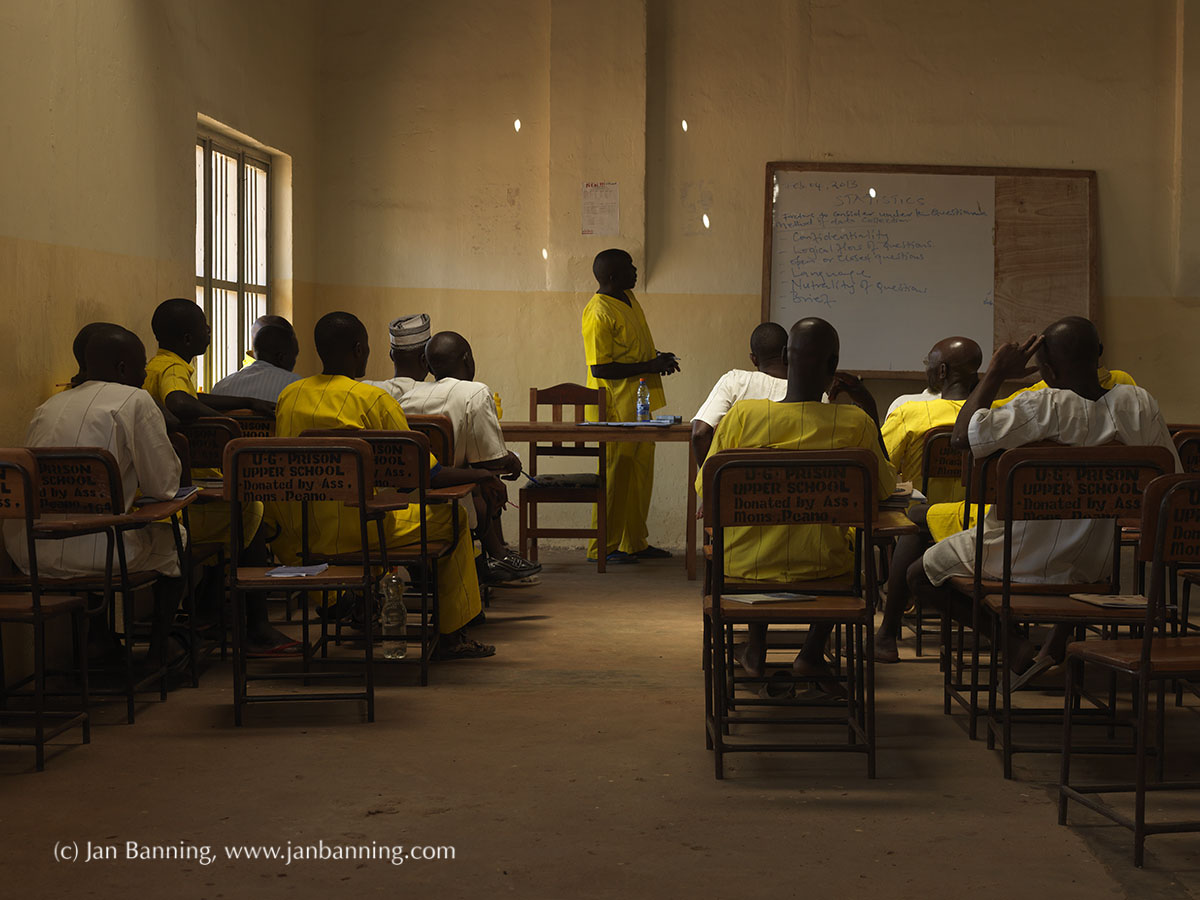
<point x="398" y="387"/>
<point x="260" y="380"/>
<point x="735" y="385"/>
<point x="472" y="413"/>
<point x="127" y="423"/>
<point x="926" y="394"/>
<point x="1051" y="551"/>
<point x="740" y="384"/>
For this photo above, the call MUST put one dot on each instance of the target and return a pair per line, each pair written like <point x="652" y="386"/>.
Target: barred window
<point x="233" y="220"/>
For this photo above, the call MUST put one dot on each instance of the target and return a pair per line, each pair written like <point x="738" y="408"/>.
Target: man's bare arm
<point x="662" y="364"/>
<point x="702" y="438"/>
<point x="1010" y="360"/>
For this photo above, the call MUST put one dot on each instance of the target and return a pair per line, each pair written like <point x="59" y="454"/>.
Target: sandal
<point x="466" y="649"/>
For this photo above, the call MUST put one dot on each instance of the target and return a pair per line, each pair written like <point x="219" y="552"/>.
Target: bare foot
<point x="828" y="684"/>
<point x="885" y="649"/>
<point x="752" y="659"/>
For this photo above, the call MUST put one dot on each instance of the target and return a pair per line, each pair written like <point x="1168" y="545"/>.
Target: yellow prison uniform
<point x="904" y="436"/>
<point x="167" y="372"/>
<point x="335" y="401"/>
<point x="795" y="552"/>
<point x="614" y="331"/>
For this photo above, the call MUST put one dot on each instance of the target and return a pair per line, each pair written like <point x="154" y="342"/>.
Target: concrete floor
<point x="571" y="765"/>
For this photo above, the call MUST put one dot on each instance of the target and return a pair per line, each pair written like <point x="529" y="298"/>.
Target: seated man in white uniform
<point x="768" y="352"/>
<point x="275" y="352"/>
<point x="110" y="410"/>
<point x="478" y="441"/>
<point x="1074" y="410"/>
<point x="407" y="336"/>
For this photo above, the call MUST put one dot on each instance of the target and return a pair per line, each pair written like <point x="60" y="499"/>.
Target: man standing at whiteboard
<point x="620" y="352"/>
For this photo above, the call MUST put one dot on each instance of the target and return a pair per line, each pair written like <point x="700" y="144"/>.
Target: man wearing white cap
<point x="407" y="336"/>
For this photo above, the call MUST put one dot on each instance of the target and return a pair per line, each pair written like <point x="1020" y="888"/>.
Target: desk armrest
<point x="154" y="510"/>
<point x="77" y="525"/>
<point x="450" y="493"/>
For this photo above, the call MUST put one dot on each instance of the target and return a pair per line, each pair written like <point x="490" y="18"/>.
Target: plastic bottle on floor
<point x="395" y="617"/>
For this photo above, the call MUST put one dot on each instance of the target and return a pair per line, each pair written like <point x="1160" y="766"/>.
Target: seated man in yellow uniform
<point x="952" y="367"/>
<point x="620" y="351"/>
<point x="183" y="334"/>
<point x="800" y="421"/>
<point x="334" y="399"/>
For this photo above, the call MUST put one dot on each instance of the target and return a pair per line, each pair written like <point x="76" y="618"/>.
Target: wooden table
<point x="517" y="432"/>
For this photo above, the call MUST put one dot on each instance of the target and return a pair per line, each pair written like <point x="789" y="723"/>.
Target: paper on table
<point x="297" y="571"/>
<point x="776" y="597"/>
<point x="1113" y="601"/>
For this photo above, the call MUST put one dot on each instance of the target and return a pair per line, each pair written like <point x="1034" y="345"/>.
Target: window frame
<point x="247" y="157"/>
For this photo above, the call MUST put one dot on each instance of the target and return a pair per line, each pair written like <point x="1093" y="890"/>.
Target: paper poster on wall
<point x="601" y="208"/>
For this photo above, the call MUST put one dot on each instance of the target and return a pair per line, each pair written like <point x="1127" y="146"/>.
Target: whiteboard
<point x="896" y="261"/>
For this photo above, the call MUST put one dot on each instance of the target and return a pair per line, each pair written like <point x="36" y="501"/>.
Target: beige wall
<point x="413" y="192"/>
<point x="447" y="209"/>
<point x="97" y="199"/>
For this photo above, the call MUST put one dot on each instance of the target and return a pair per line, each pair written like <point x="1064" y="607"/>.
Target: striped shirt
<point x="1051" y="551"/>
<point x="260" y="380"/>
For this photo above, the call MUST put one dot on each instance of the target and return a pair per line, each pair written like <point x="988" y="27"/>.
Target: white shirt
<point x="127" y="423"/>
<point x="1062" y="551"/>
<point x="397" y="387"/>
<point x="472" y="413"/>
<point x="260" y="380"/>
<point x="735" y="385"/>
<point x="926" y="394"/>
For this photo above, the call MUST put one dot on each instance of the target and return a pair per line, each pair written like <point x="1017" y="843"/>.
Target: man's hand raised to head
<point x="1011" y="360"/>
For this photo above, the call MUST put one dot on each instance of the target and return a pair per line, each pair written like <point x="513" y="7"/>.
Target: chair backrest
<point x="567" y="402"/>
<point x="255" y="426"/>
<point x="1187" y="445"/>
<point x="207" y="437"/>
<point x="1062" y="482"/>
<point x="439" y="431"/>
<point x="74" y="480"/>
<point x="19" y="485"/>
<point x="179" y="443"/>
<point x="1170" y="535"/>
<point x="746" y="488"/>
<point x="938" y="458"/>
<point x="303" y="470"/>
<point x="401" y="458"/>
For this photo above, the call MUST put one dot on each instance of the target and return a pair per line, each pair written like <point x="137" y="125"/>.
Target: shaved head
<point x="115" y="354"/>
<point x="342" y="344"/>
<point x="615" y="272"/>
<point x="768" y="341"/>
<point x="961" y="358"/>
<point x="449" y="356"/>
<point x="813" y="348"/>
<point x="277" y="345"/>
<point x="79" y="348"/>
<point x="1070" y="349"/>
<point x="263" y="321"/>
<point x="176" y="317"/>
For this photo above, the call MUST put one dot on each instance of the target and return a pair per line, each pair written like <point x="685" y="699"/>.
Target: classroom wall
<point x="430" y="201"/>
<point x="412" y="191"/>
<point x="97" y="199"/>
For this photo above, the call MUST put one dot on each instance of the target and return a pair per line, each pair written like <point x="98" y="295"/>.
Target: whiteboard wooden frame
<point x="1092" y="268"/>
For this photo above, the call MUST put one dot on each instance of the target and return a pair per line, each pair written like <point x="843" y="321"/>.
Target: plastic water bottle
<point x="395" y="617"/>
<point x="643" y="401"/>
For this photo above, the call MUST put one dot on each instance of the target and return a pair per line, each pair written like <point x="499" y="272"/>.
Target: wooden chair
<point x="1170" y="511"/>
<point x="301" y="470"/>
<point x="938" y="460"/>
<point x="1104" y="482"/>
<point x="20" y="488"/>
<point x="825" y="487"/>
<point x="401" y="478"/>
<point x="254" y="426"/>
<point x="439" y="431"/>
<point x="82" y="485"/>
<point x="585" y="487"/>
